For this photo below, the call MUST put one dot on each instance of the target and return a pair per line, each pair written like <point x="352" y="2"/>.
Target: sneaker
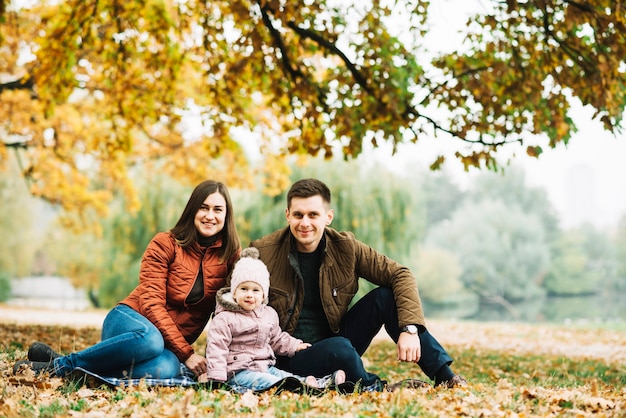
<point x="407" y="384"/>
<point x="339" y="377"/>
<point x="457" y="381"/>
<point x="331" y="380"/>
<point x="377" y="386"/>
<point x="311" y="381"/>
<point x="41" y="352"/>
<point x="38" y="367"/>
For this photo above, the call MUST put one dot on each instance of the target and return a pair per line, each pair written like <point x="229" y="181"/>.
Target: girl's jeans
<point x="255" y="380"/>
<point x="131" y="347"/>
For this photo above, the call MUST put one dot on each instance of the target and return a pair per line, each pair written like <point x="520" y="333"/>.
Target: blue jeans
<point x="255" y="380"/>
<point x="358" y="328"/>
<point x="131" y="346"/>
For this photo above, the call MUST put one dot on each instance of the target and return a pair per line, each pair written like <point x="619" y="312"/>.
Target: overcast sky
<point x="585" y="180"/>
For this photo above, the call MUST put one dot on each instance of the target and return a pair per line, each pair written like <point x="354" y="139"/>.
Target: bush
<point x="5" y="287"/>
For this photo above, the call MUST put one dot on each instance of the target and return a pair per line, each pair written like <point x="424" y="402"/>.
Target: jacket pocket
<point x="343" y="293"/>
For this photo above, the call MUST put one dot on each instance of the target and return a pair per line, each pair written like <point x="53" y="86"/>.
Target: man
<point x="314" y="273"/>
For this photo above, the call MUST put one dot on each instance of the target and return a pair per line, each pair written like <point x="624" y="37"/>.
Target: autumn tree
<point x="582" y="264"/>
<point x="438" y="273"/>
<point x="380" y="207"/>
<point x="619" y="242"/>
<point x="501" y="250"/>
<point x="511" y="187"/>
<point x="21" y="219"/>
<point x="89" y="89"/>
<point x="441" y="195"/>
<point x="107" y="267"/>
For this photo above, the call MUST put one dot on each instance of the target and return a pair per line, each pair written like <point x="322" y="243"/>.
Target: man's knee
<point x="384" y="294"/>
<point x="382" y="300"/>
<point x="341" y="349"/>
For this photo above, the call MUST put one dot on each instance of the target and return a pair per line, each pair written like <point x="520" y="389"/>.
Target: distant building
<point x="580" y="185"/>
<point x="47" y="292"/>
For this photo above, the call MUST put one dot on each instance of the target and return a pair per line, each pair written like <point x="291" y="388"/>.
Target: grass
<point x="502" y="383"/>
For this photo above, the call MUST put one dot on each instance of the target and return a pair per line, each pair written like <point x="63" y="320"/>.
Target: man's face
<point x="307" y="218"/>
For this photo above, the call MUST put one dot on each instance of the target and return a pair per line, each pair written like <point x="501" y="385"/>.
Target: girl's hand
<point x="302" y="346"/>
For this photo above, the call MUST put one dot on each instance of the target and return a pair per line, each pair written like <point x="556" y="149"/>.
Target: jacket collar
<point x="225" y="302"/>
<point x="292" y="243"/>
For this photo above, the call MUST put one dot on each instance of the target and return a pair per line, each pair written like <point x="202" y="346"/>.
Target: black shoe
<point x="38" y="367"/>
<point x="457" y="381"/>
<point x="408" y="384"/>
<point x="41" y="352"/>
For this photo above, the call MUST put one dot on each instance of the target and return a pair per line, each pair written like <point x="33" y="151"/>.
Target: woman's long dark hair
<point x="185" y="231"/>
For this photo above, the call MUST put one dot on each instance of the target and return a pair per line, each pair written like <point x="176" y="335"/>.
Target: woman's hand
<point x="197" y="364"/>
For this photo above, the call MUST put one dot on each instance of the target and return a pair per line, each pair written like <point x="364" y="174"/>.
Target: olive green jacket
<point x="345" y="261"/>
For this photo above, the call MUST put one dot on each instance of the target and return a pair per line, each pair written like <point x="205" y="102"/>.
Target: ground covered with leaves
<point x="514" y="370"/>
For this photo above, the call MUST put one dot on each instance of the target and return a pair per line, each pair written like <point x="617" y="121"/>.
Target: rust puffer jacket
<point x="244" y="340"/>
<point x="166" y="278"/>
<point x="345" y="261"/>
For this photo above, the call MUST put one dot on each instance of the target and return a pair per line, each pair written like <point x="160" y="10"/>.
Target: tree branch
<point x="320" y="40"/>
<point x="362" y="82"/>
<point x="409" y="114"/>
<point x="24" y="83"/>
<point x="293" y="72"/>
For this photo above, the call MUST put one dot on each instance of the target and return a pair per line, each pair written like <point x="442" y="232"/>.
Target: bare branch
<point x="24" y="83"/>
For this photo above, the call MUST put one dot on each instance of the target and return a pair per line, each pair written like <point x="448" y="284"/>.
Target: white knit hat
<point x="250" y="269"/>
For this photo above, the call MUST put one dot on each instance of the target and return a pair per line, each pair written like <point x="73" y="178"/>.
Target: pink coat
<point x="244" y="340"/>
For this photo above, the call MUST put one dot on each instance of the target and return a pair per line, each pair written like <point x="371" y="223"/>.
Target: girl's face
<point x="210" y="217"/>
<point x="249" y="295"/>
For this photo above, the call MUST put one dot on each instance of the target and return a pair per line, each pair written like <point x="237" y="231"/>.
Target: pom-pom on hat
<point x="250" y="269"/>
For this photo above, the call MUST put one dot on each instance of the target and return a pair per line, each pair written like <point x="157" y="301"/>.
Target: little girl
<point x="245" y="336"/>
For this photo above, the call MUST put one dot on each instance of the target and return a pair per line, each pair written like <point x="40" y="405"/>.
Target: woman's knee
<point x="169" y="366"/>
<point x="153" y="344"/>
<point x="164" y="366"/>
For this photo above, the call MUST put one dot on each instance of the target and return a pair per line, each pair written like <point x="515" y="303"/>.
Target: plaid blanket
<point x="289" y="384"/>
<point x="92" y="379"/>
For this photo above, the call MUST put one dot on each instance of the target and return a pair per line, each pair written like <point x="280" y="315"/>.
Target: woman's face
<point x="210" y="217"/>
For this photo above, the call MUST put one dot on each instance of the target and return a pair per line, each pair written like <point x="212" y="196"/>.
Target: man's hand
<point x="196" y="363"/>
<point x="409" y="347"/>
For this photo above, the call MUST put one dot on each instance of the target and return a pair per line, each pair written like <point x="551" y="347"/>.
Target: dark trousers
<point x="358" y="327"/>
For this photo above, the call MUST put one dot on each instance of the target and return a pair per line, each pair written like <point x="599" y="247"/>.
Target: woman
<point x="150" y="332"/>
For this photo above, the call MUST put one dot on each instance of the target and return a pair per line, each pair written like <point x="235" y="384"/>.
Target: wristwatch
<point x="411" y="329"/>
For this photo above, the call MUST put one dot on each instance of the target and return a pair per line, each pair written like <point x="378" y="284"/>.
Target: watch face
<point x="411" y="329"/>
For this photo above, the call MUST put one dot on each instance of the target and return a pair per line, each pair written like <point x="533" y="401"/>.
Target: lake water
<point x="607" y="307"/>
<point x="601" y="308"/>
